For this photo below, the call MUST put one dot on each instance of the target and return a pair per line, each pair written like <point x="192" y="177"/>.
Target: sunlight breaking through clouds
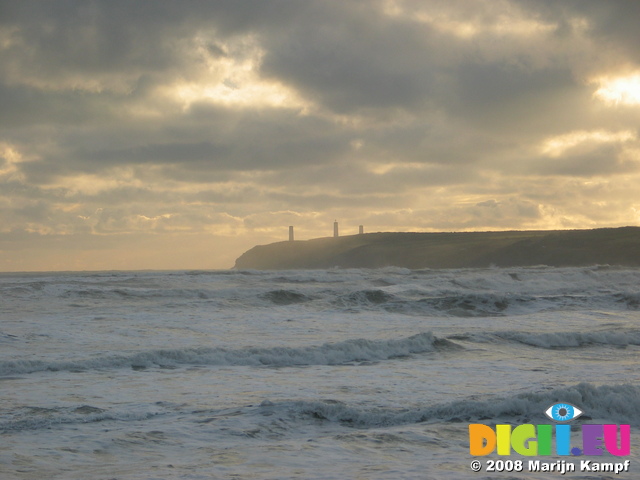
<point x="232" y="78"/>
<point x="623" y="90"/>
<point x="249" y="92"/>
<point x="507" y="22"/>
<point x="558" y="145"/>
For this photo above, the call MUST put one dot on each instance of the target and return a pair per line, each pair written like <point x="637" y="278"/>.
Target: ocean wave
<point x="133" y="293"/>
<point x="36" y="418"/>
<point x="364" y="298"/>
<point x="630" y="299"/>
<point x="285" y="297"/>
<point x="456" y="292"/>
<point x="7" y="338"/>
<point x="503" y="304"/>
<point x="617" y="404"/>
<point x="472" y="304"/>
<point x="549" y="340"/>
<point x="459" y="305"/>
<point x="608" y="403"/>
<point x="123" y="287"/>
<point x="349" y="351"/>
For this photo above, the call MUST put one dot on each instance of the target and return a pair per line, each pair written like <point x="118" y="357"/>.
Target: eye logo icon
<point x="563" y="412"/>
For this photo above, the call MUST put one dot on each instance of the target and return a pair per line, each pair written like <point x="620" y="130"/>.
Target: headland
<point x="557" y="248"/>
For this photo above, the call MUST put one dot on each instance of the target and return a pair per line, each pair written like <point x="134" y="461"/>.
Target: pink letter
<point x="611" y="440"/>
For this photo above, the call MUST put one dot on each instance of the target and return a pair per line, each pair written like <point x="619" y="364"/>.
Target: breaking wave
<point x="605" y="404"/>
<point x="349" y="351"/>
<point x="456" y="293"/>
<point x="619" y="338"/>
<point x="610" y="403"/>
<point x="34" y="418"/>
<point x="357" y="350"/>
<point x="285" y="297"/>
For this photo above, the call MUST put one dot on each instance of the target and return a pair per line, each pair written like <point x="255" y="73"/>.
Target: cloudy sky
<point x="178" y="134"/>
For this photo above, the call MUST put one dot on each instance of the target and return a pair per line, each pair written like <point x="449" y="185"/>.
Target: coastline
<point x="556" y="248"/>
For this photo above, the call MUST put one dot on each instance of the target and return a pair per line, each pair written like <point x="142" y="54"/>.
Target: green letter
<point x="523" y="435"/>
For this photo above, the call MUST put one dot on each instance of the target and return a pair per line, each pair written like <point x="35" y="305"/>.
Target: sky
<point x="178" y="134"/>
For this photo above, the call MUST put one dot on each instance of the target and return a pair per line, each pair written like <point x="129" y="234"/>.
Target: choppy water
<point x="363" y="374"/>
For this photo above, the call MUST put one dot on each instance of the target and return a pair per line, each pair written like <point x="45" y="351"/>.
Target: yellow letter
<point x="503" y="432"/>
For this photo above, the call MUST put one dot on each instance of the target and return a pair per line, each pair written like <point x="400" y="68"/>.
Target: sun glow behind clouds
<point x="619" y="90"/>
<point x="502" y="27"/>
<point x="382" y="169"/>
<point x="511" y="23"/>
<point x="250" y="94"/>
<point x="232" y="78"/>
<point x="556" y="146"/>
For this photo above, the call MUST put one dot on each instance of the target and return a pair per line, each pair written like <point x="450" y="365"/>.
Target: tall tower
<point x="291" y="233"/>
<point x="361" y="229"/>
<point x="335" y="229"/>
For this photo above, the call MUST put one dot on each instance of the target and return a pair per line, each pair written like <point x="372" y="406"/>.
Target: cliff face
<point x="609" y="246"/>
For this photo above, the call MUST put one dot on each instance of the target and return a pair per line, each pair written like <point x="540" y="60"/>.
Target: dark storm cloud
<point x="25" y="106"/>
<point x="249" y="141"/>
<point x="350" y="59"/>
<point x="346" y="56"/>
<point x="106" y="35"/>
<point x="111" y="35"/>
<point x="353" y="59"/>
<point x="613" y="23"/>
<point x="357" y="179"/>
<point x="482" y="89"/>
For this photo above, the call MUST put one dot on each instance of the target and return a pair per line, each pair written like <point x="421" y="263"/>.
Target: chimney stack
<point x="291" y="233"/>
<point x="361" y="229"/>
<point x="335" y="229"/>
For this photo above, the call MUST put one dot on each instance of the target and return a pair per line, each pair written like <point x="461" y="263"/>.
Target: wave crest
<point x="356" y="350"/>
<point x="607" y="403"/>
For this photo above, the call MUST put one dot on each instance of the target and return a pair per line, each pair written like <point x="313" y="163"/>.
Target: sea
<point x="311" y="374"/>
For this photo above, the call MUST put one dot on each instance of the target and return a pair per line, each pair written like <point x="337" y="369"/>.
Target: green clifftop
<point x="605" y="246"/>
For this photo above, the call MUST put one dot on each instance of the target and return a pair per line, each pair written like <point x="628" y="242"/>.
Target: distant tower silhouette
<point x="291" y="233"/>
<point x="361" y="229"/>
<point x="335" y="229"/>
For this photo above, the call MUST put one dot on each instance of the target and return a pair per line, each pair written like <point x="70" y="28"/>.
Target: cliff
<point x="606" y="246"/>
